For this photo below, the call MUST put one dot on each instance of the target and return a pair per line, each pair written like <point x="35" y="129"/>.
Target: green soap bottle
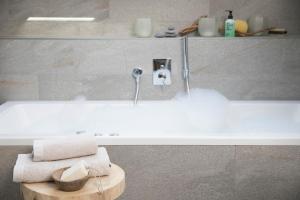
<point x="229" y="25"/>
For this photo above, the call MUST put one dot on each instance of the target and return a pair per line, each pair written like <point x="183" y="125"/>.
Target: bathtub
<point x="150" y="123"/>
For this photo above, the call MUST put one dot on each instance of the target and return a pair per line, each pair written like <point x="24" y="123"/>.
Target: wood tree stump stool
<point x="113" y="186"/>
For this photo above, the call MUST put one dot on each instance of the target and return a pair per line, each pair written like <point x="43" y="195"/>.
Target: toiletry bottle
<point x="229" y="25"/>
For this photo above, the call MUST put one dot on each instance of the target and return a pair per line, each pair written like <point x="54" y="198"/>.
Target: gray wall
<point x="192" y="172"/>
<point x="13" y="15"/>
<point x="114" y="18"/>
<point x="44" y="69"/>
<point x="279" y="13"/>
<point x="242" y="69"/>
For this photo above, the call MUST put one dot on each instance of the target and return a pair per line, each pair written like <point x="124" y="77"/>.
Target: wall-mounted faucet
<point x="185" y="67"/>
<point x="162" y="72"/>
<point x="136" y="74"/>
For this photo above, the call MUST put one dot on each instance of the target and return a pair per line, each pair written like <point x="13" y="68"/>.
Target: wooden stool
<point x="113" y="186"/>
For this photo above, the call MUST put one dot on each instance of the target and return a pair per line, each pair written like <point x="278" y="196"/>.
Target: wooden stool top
<point x="113" y="186"/>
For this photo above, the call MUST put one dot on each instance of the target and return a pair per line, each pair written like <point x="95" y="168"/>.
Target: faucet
<point x="136" y="74"/>
<point x="186" y="67"/>
<point x="162" y="72"/>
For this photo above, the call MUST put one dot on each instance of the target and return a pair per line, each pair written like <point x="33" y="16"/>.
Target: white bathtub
<point x="150" y="123"/>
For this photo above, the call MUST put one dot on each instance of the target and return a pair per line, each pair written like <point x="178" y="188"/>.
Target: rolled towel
<point x="71" y="147"/>
<point x="28" y="171"/>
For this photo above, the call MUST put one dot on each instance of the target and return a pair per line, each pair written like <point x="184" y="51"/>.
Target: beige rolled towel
<point x="71" y="147"/>
<point x="28" y="171"/>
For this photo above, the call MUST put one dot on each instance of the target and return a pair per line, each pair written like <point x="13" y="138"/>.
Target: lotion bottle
<point x="229" y="25"/>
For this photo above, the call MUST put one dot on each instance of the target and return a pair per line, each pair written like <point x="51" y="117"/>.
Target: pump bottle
<point x="229" y="25"/>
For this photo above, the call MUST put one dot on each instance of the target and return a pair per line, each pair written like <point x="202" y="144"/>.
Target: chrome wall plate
<point x="162" y="72"/>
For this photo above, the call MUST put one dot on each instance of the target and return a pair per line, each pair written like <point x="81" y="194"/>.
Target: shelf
<point x="151" y="38"/>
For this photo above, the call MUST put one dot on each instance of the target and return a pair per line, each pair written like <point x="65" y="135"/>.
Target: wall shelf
<point x="271" y="37"/>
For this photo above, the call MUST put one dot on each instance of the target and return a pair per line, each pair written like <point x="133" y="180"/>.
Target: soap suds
<point x="204" y="109"/>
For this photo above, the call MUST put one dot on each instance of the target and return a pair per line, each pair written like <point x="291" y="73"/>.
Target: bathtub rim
<point x="166" y="141"/>
<point x="118" y="140"/>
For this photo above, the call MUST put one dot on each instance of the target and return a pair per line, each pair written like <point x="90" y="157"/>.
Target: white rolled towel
<point x="70" y="147"/>
<point x="26" y="170"/>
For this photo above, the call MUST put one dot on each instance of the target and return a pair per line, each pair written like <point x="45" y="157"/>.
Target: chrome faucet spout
<point x="136" y="74"/>
<point x="186" y="67"/>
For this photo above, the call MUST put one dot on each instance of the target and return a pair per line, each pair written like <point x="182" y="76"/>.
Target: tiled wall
<point x="98" y="69"/>
<point x="163" y="13"/>
<point x="122" y="13"/>
<point x="18" y="10"/>
<point x="241" y="69"/>
<point x="279" y="13"/>
<point x="45" y="69"/>
<point x="259" y="69"/>
<point x="13" y="15"/>
<point x="119" y="23"/>
<point x="191" y="172"/>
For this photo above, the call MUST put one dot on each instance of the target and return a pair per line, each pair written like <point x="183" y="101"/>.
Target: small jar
<point x="207" y="27"/>
<point x="143" y="27"/>
<point x="256" y="23"/>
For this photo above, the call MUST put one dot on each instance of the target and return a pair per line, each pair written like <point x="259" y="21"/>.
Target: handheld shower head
<point x="137" y="73"/>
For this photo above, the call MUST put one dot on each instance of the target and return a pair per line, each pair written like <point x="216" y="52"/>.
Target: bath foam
<point x="204" y="109"/>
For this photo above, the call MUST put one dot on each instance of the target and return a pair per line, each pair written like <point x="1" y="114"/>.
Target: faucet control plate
<point x="162" y="72"/>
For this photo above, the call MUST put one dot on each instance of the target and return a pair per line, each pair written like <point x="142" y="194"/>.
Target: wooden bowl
<point x="69" y="186"/>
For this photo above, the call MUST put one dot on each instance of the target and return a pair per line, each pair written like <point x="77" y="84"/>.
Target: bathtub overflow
<point x="80" y="132"/>
<point x="113" y="134"/>
<point x="98" y="134"/>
